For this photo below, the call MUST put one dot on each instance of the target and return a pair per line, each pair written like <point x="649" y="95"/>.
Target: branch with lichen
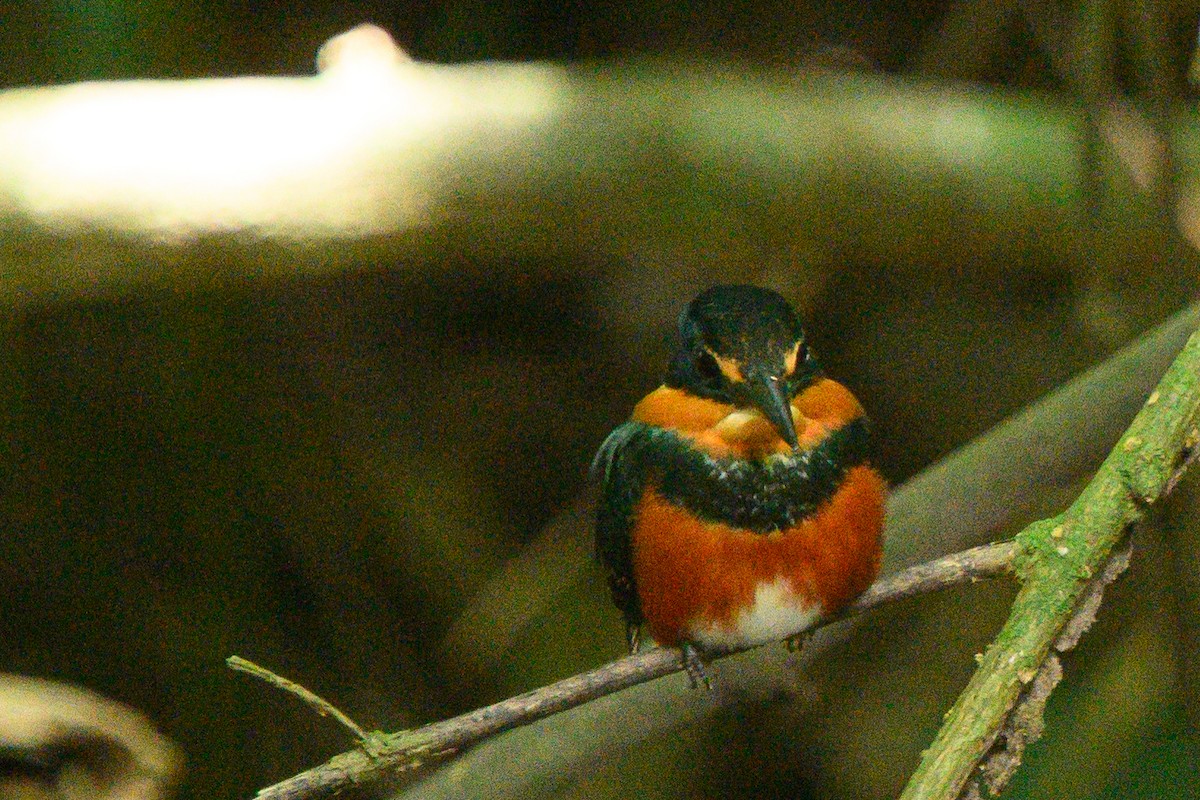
<point x="384" y="754"/>
<point x="1063" y="563"/>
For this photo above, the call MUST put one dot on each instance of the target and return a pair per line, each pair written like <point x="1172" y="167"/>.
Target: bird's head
<point x="744" y="346"/>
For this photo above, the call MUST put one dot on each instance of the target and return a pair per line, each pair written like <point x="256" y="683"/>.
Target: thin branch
<point x="1058" y="561"/>
<point x="311" y="699"/>
<point x="986" y="561"/>
<point x="405" y="750"/>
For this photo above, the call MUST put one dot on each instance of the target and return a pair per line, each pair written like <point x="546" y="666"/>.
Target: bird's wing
<point x="620" y="468"/>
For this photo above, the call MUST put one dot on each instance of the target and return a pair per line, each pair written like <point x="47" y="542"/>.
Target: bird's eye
<point x="707" y="367"/>
<point x="795" y="360"/>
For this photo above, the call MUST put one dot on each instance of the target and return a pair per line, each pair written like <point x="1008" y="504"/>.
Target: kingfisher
<point x="737" y="504"/>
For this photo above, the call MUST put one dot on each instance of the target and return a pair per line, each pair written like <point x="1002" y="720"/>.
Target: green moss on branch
<point x="1060" y="560"/>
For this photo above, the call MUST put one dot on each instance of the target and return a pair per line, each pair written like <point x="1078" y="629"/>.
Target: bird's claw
<point x="795" y="644"/>
<point x="693" y="665"/>
<point x="633" y="638"/>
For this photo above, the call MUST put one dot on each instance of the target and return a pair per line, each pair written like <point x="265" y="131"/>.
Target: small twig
<point x="986" y="561"/>
<point x="314" y="701"/>
<point x="405" y="750"/>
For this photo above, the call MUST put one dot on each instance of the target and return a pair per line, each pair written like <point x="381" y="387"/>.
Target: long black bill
<point x="769" y="397"/>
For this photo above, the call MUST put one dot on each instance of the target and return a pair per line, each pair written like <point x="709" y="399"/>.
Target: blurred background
<point x="337" y="461"/>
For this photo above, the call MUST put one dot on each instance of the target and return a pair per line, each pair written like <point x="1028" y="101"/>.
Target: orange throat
<point x="723" y="430"/>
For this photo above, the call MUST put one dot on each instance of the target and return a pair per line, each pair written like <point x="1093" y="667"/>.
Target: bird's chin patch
<point x="750" y="433"/>
<point x="776" y="612"/>
<point x="740" y="421"/>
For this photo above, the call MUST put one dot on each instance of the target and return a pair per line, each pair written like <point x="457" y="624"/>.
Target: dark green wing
<point x="618" y="465"/>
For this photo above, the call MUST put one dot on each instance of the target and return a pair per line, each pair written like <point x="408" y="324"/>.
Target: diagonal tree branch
<point x="1059" y="561"/>
<point x="390" y="753"/>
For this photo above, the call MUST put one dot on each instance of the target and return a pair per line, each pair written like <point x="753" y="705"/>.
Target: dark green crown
<point x="738" y="345"/>
<point x="753" y="327"/>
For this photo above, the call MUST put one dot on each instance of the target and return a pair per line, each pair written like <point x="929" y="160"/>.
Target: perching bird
<point x="737" y="504"/>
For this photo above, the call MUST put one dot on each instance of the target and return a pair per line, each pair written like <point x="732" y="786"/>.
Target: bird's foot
<point x="633" y="637"/>
<point x="795" y="644"/>
<point x="693" y="665"/>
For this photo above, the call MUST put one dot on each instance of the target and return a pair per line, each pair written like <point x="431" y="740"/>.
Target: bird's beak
<point x="768" y="395"/>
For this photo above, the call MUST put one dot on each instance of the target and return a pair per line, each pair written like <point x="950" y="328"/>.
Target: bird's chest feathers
<point x="722" y="586"/>
<point x="776" y="610"/>
<point x="758" y="495"/>
<point x="726" y="586"/>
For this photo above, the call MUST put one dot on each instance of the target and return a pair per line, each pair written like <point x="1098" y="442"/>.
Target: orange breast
<point x="692" y="574"/>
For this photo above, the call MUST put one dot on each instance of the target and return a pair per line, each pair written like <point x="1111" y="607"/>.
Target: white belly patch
<point x="776" y="612"/>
